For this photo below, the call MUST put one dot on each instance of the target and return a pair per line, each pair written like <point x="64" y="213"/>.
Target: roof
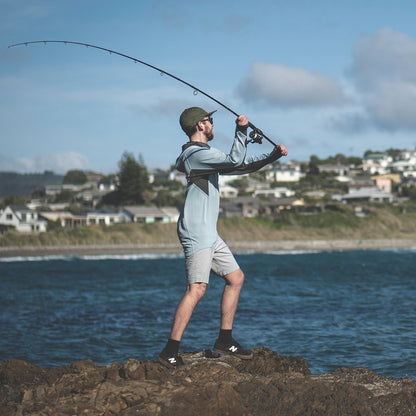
<point x="143" y="211"/>
<point x="20" y="208"/>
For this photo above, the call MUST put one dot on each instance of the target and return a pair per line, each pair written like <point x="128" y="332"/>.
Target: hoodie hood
<point x="180" y="161"/>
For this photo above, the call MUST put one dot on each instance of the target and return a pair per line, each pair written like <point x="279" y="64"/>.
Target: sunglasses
<point x="210" y="119"/>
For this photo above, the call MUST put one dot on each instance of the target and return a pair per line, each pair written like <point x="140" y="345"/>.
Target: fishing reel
<point x="256" y="136"/>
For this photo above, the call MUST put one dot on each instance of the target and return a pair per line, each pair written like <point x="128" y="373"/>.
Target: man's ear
<point x="200" y="126"/>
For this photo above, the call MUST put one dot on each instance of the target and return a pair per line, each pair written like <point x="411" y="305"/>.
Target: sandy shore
<point x="236" y="246"/>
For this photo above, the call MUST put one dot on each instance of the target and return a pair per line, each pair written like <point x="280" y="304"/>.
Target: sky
<point x="321" y="77"/>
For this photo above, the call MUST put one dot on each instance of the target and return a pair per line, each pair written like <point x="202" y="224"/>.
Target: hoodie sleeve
<point x="254" y="163"/>
<point x="209" y="159"/>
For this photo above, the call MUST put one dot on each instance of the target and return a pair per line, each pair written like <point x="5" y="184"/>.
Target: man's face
<point x="208" y="123"/>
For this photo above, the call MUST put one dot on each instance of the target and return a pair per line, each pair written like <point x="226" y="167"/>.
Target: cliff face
<point x="267" y="385"/>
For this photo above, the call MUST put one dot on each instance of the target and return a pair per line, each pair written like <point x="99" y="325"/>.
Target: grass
<point x="383" y="221"/>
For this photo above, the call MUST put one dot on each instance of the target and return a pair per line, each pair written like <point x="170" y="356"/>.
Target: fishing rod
<point x="256" y="134"/>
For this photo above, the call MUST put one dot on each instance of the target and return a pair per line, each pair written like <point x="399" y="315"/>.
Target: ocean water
<point x="340" y="308"/>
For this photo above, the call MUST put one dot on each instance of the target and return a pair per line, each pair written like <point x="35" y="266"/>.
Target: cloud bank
<point x="288" y="87"/>
<point x="57" y="162"/>
<point x="384" y="73"/>
<point x="379" y="90"/>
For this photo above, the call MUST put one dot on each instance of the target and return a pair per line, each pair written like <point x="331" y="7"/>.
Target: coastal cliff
<point x="269" y="384"/>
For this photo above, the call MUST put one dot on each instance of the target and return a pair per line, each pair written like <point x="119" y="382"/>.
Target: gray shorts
<point x="217" y="259"/>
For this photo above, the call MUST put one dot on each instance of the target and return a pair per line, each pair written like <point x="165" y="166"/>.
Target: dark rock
<point x="269" y="384"/>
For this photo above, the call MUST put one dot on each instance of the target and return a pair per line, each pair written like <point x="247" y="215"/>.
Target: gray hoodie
<point x="197" y="224"/>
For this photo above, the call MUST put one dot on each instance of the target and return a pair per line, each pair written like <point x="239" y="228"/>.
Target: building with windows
<point x="22" y="219"/>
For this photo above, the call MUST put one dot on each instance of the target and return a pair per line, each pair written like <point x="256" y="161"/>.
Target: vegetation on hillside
<point x="381" y="221"/>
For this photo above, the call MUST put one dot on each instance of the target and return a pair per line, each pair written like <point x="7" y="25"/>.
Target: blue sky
<point x="322" y="77"/>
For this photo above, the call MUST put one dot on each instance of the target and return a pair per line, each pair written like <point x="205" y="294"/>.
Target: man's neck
<point x="199" y="137"/>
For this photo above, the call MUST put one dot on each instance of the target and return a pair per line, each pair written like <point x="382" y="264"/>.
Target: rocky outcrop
<point x="269" y="384"/>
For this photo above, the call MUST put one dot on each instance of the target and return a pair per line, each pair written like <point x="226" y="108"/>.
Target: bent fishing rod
<point x="256" y="134"/>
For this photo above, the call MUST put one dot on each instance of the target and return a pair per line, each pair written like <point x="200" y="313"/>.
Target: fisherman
<point x="204" y="250"/>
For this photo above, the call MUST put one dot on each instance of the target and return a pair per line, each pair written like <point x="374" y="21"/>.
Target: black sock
<point x="225" y="335"/>
<point x="172" y="346"/>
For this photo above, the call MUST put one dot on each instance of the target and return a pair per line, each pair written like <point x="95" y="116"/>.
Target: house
<point x="175" y="175"/>
<point x="360" y="182"/>
<point x="242" y="206"/>
<point x="377" y="163"/>
<point x="248" y="206"/>
<point x="52" y="190"/>
<point x="158" y="174"/>
<point x="105" y="217"/>
<point x="278" y="192"/>
<point x="227" y="191"/>
<point x="384" y="184"/>
<point x="339" y="170"/>
<point x="150" y="214"/>
<point x="94" y="217"/>
<point x="370" y="194"/>
<point x="288" y="172"/>
<point x="409" y="156"/>
<point x="22" y="219"/>
<point x="66" y="218"/>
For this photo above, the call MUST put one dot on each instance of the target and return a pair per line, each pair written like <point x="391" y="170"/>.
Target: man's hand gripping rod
<point x="256" y="134"/>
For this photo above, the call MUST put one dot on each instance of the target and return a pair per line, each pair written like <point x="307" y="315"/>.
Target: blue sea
<point x="339" y="308"/>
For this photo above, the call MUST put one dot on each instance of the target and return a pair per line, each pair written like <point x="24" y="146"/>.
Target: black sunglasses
<point x="210" y="119"/>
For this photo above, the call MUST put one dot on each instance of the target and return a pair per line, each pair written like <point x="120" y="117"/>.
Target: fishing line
<point x="256" y="134"/>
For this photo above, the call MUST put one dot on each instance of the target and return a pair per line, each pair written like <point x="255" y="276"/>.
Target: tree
<point x="64" y="196"/>
<point x="394" y="153"/>
<point x="133" y="182"/>
<point x="341" y="159"/>
<point x="313" y="165"/>
<point x="13" y="200"/>
<point x="75" y="176"/>
<point x="354" y="160"/>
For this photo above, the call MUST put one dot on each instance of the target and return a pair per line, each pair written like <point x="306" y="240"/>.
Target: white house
<point x="227" y="191"/>
<point x="22" y="219"/>
<point x="105" y="217"/>
<point x="370" y="194"/>
<point x="279" y="192"/>
<point x="377" y="163"/>
<point x="95" y="217"/>
<point x="288" y="172"/>
<point x="147" y="215"/>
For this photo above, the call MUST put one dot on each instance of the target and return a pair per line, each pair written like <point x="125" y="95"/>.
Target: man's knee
<point x="235" y="278"/>
<point x="197" y="290"/>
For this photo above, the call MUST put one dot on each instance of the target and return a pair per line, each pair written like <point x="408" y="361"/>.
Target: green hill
<point x="23" y="184"/>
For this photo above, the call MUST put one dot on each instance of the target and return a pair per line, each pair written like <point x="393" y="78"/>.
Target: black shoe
<point x="170" y="360"/>
<point x="232" y="348"/>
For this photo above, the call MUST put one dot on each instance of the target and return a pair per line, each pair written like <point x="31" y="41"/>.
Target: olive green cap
<point x="191" y="116"/>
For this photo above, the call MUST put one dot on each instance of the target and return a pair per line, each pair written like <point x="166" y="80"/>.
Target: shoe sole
<point x="243" y="357"/>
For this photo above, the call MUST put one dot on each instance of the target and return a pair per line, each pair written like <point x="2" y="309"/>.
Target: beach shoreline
<point x="236" y="246"/>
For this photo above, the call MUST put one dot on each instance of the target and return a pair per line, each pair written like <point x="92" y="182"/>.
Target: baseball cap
<point x="191" y="116"/>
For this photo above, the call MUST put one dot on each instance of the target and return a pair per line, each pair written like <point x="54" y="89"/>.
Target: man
<point x="204" y="250"/>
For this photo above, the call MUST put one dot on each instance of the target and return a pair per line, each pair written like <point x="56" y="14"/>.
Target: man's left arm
<point x="254" y="163"/>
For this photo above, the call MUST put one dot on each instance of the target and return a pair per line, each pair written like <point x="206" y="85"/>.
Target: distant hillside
<point x="23" y="184"/>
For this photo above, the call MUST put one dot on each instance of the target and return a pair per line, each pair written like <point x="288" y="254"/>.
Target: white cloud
<point x="384" y="73"/>
<point x="57" y="162"/>
<point x="289" y="87"/>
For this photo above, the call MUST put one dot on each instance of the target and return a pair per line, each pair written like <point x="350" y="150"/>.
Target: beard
<point x="209" y="135"/>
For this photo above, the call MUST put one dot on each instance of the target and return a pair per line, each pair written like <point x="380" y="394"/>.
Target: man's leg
<point x="225" y="344"/>
<point x="194" y="293"/>
<point x="198" y="267"/>
<point x="233" y="284"/>
<point x="170" y="354"/>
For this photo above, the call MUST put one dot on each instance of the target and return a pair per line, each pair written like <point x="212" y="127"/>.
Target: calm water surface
<point x="351" y="308"/>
